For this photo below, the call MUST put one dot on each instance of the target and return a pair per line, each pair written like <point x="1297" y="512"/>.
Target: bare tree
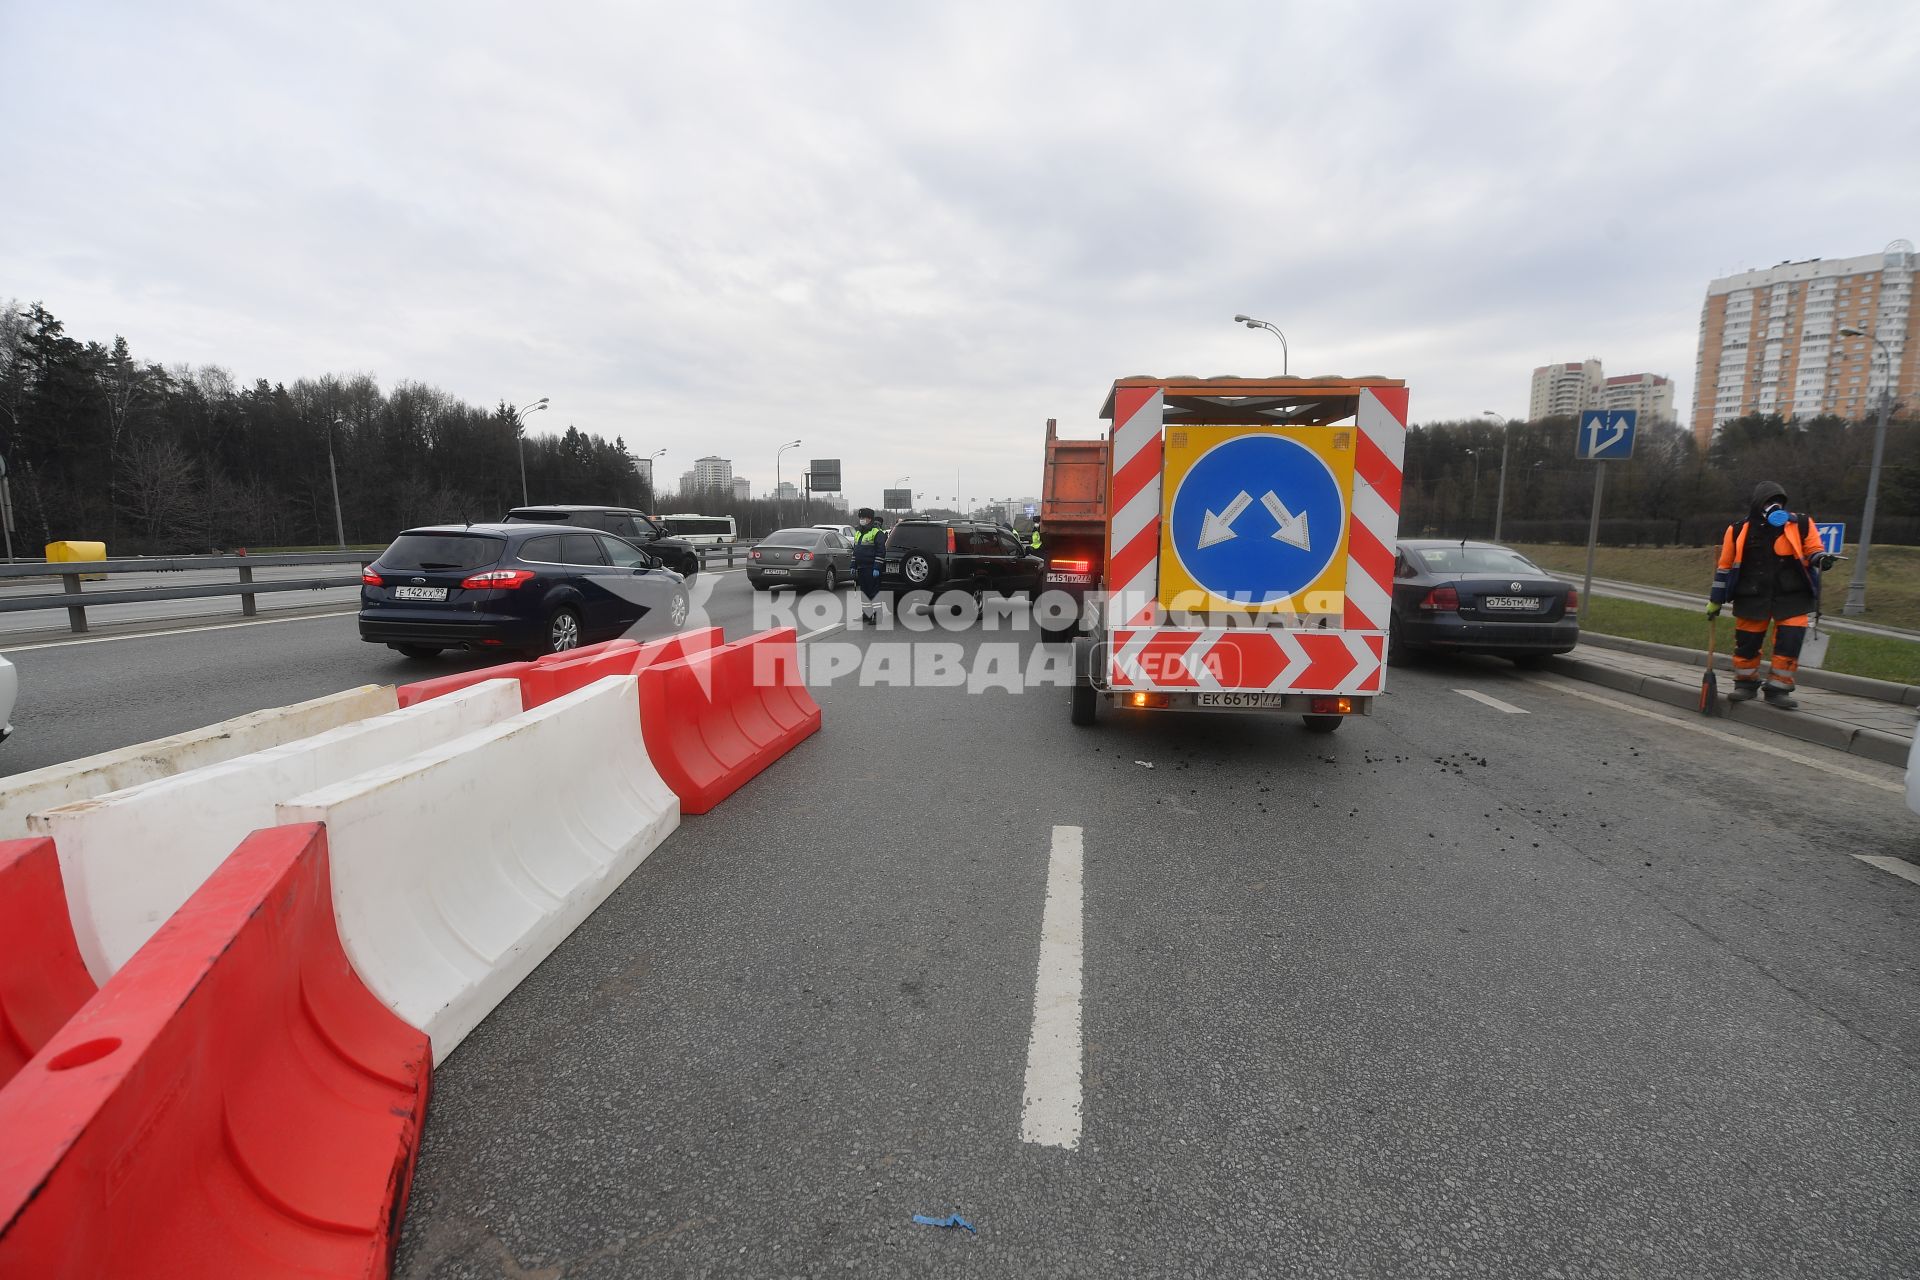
<point x="157" y="491"/>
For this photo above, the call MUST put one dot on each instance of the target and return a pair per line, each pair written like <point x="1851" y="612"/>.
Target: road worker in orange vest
<point x="1769" y="571"/>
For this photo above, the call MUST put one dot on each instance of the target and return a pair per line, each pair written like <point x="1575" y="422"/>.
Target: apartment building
<point x="1648" y="394"/>
<point x="1561" y="389"/>
<point x="712" y="473"/>
<point x="1770" y="340"/>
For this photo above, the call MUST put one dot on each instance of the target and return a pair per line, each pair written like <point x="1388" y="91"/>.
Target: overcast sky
<point x="907" y="234"/>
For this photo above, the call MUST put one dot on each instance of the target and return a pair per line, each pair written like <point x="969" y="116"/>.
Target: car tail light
<point x="1445" y="599"/>
<point x="802" y="555"/>
<point x="371" y="578"/>
<point x="754" y="554"/>
<point x="1331" y="706"/>
<point x="1573" y="599"/>
<point x="1071" y="566"/>
<point x="498" y="579"/>
<point x="952" y="544"/>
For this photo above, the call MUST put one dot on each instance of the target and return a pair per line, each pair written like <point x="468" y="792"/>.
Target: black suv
<point x="637" y="527"/>
<point x="959" y="555"/>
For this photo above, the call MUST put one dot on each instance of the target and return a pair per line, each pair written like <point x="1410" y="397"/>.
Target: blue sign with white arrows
<point x="1832" y="536"/>
<point x="1605" y="435"/>
<point x="1258" y="519"/>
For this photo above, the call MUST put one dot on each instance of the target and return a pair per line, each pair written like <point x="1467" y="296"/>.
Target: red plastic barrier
<point x="42" y="979"/>
<point x="440" y="686"/>
<point x="232" y="1103"/>
<point x="557" y="675"/>
<point x="714" y="720"/>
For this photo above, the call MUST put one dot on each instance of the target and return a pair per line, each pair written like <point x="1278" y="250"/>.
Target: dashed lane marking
<point x="1798" y="758"/>
<point x="1495" y="703"/>
<point x="1892" y="866"/>
<point x="1050" y="1114"/>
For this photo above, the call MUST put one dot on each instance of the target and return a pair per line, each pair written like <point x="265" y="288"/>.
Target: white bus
<point x="701" y="530"/>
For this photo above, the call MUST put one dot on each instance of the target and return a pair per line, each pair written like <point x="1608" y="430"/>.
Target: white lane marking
<point x="1051" y="1112"/>
<point x="1679" y="722"/>
<point x="831" y="627"/>
<point x="177" y="631"/>
<point x="1893" y="866"/>
<point x="1495" y="703"/>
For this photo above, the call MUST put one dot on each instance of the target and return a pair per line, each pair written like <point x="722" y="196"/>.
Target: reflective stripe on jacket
<point x="1799" y="541"/>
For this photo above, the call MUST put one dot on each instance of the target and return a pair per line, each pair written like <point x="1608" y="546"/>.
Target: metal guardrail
<point x="76" y="600"/>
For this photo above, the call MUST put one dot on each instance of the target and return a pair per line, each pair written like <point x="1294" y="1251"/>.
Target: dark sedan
<point x="1477" y="597"/>
<point x="800" y="558"/>
<point x="524" y="588"/>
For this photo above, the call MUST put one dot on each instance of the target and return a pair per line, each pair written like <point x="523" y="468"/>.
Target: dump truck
<point x="1073" y="520"/>
<point x="1247" y="545"/>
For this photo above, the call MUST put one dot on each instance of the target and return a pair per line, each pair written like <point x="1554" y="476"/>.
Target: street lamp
<point x="1473" y="503"/>
<point x="1251" y="323"/>
<point x="1857" y="589"/>
<point x="1506" y="437"/>
<point x="653" y="472"/>
<point x="779" y="504"/>
<point x="520" y="442"/>
<point x="339" y="527"/>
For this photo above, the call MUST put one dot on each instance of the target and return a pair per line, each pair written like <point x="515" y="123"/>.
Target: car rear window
<point x="794" y="538"/>
<point x="428" y="551"/>
<point x="1476" y="560"/>
<point x="918" y="537"/>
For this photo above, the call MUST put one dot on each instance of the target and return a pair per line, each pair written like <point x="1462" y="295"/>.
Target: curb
<point x="1869" y="744"/>
<point x="1832" y="681"/>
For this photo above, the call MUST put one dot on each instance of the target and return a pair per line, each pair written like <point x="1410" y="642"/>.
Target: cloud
<point x="908" y="234"/>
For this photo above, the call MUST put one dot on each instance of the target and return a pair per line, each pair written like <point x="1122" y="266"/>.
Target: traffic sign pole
<point x="1593" y="530"/>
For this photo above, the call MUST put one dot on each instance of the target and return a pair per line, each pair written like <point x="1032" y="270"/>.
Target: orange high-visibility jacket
<point x="1799" y="541"/>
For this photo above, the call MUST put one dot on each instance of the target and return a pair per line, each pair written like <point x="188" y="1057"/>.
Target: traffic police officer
<point x="1033" y="539"/>
<point x="1769" y="570"/>
<point x="869" y="551"/>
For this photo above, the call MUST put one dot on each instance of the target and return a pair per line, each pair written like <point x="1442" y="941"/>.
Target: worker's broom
<point x="1710" y="682"/>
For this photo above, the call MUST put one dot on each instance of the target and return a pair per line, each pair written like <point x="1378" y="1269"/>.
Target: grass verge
<point x="1854" y="655"/>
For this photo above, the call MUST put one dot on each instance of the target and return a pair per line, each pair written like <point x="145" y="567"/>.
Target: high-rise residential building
<point x="786" y="491"/>
<point x="1648" y="394"/>
<point x="686" y="482"/>
<point x="742" y="489"/>
<point x="1560" y="390"/>
<point x="1770" y="340"/>
<point x="712" y="473"/>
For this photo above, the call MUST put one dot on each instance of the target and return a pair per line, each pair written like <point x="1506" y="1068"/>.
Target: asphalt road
<point x="1582" y="989"/>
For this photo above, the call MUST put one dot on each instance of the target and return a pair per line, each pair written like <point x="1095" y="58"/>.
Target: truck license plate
<point x="1070" y="579"/>
<point x="1241" y="699"/>
<point x="419" y="593"/>
<point x="1510" y="602"/>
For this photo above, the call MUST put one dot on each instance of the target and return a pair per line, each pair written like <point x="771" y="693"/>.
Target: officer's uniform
<point x="869" y="552"/>
<point x="1771" y="576"/>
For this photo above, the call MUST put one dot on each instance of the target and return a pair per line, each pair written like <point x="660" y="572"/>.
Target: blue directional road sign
<point x="1258" y="518"/>
<point x="1832" y="536"/>
<point x="1605" y="435"/>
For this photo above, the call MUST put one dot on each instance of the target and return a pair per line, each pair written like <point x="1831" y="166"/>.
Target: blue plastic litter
<point x="951" y="1220"/>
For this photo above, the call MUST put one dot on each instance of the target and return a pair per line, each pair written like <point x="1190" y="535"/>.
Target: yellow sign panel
<point x="1254" y="519"/>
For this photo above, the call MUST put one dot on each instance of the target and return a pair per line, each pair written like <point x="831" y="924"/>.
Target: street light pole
<point x="1500" y="503"/>
<point x="779" y="503"/>
<point x="520" y="442"/>
<point x="653" y="472"/>
<point x="1473" y="502"/>
<point x="1857" y="589"/>
<point x="1251" y="323"/>
<point x="339" y="526"/>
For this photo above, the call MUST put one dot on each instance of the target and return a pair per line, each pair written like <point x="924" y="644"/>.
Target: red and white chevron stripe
<point x="1375" y="524"/>
<point x="1245" y="658"/>
<point x="1133" y="528"/>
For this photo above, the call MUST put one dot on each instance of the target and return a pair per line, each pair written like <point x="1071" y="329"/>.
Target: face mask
<point x="1777" y="516"/>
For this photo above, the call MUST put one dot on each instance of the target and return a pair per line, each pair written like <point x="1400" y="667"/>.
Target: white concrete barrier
<point x="131" y="857"/>
<point x="457" y="872"/>
<point x="58" y="784"/>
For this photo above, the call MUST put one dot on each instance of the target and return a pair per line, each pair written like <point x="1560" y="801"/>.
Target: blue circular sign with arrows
<point x="1257" y="519"/>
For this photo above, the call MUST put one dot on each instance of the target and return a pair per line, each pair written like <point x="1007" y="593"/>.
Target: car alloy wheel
<point x="563" y="632"/>
<point x="680" y="609"/>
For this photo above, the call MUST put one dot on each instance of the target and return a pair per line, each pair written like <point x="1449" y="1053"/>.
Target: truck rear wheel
<point x="1086" y="699"/>
<point x="1322" y="724"/>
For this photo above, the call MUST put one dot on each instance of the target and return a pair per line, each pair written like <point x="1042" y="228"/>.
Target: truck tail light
<point x="1331" y="706"/>
<point x="1443" y="599"/>
<point x="1147" y="700"/>
<point x="1573" y="599"/>
<point x="952" y="544"/>
<point x="497" y="580"/>
<point x="1071" y="566"/>
<point x="371" y="578"/>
